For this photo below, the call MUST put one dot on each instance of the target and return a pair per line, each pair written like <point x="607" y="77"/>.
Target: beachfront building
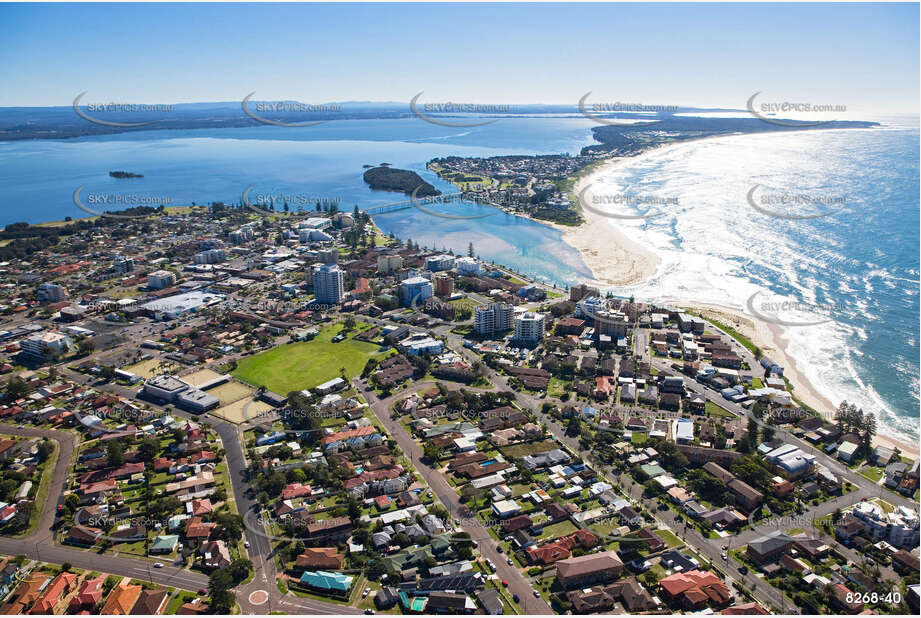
<point x="467" y="266"/>
<point x="437" y="263"/>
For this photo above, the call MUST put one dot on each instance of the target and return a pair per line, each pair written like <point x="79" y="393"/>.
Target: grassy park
<point x="303" y="365"/>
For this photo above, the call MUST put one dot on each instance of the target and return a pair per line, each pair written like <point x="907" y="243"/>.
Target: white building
<point x="436" y="263"/>
<point x="210" y="256"/>
<point x="529" y="327"/>
<point x="328" y="284"/>
<point x="415" y="289"/>
<point x="47" y="345"/>
<point x="467" y="265"/>
<point x="123" y="264"/>
<point x="242" y="235"/>
<point x="51" y="293"/>
<point x="898" y="527"/>
<point x="160" y="279"/>
<point x="492" y="319"/>
<point x="388" y="263"/>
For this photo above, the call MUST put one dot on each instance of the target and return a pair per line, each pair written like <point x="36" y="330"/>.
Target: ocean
<point x="844" y="284"/>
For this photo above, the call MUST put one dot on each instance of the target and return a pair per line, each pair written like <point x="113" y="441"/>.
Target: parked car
<point x="158" y="565"/>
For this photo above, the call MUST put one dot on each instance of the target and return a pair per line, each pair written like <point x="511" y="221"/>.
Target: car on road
<point x="536" y="594"/>
<point x="369" y="612"/>
<point x="504" y="584"/>
<point x="202" y="591"/>
<point x="510" y="562"/>
<point x="743" y="569"/>
<point x="724" y="547"/>
<point x="246" y="544"/>
<point x="499" y="549"/>
<point x="515" y="598"/>
<point x="724" y="555"/>
<point x="365" y="593"/>
<point x="158" y="565"/>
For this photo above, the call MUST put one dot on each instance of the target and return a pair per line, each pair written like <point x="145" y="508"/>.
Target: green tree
<point x="219" y="586"/>
<point x="16" y="388"/>
<point x="115" y="453"/>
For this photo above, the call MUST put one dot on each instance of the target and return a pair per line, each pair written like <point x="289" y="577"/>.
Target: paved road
<point x="260" y="550"/>
<point x="40" y="544"/>
<point x="517" y="583"/>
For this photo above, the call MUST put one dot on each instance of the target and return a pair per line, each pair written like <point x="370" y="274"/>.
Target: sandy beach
<point x="613" y="258"/>
<point x="617" y="260"/>
<point x="770" y="338"/>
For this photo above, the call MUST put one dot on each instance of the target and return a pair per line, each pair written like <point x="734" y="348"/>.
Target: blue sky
<point x="863" y="56"/>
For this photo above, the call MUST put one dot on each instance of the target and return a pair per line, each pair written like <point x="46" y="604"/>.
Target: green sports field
<point x="305" y="364"/>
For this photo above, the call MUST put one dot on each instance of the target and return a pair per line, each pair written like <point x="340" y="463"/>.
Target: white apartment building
<point x="529" y="327"/>
<point x="47" y="344"/>
<point x="386" y="264"/>
<point x="491" y="319"/>
<point x="160" y="279"/>
<point x="328" y="284"/>
<point x="210" y="256"/>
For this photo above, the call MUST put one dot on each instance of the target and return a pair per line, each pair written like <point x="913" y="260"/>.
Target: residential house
<point x="590" y="569"/>
<point x="151" y="602"/>
<point x="121" y="600"/>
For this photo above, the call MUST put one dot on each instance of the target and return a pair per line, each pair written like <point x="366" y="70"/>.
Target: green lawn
<point x="558" y="387"/>
<point x="717" y="411"/>
<point x="869" y="472"/>
<point x="520" y="450"/>
<point x="178" y="600"/>
<point x="670" y="539"/>
<point x="638" y="437"/>
<point x="561" y="528"/>
<point x="303" y="365"/>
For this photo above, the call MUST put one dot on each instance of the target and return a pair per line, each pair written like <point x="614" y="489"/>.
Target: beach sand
<point x="617" y="260"/>
<point x="613" y="258"/>
<point x="770" y="338"/>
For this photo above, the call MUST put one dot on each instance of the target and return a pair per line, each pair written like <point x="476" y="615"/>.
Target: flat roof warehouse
<point x="183" y="303"/>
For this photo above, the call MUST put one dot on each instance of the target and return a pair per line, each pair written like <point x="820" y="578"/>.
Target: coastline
<point x="613" y="258"/>
<point x="772" y="340"/>
<point x="617" y="260"/>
